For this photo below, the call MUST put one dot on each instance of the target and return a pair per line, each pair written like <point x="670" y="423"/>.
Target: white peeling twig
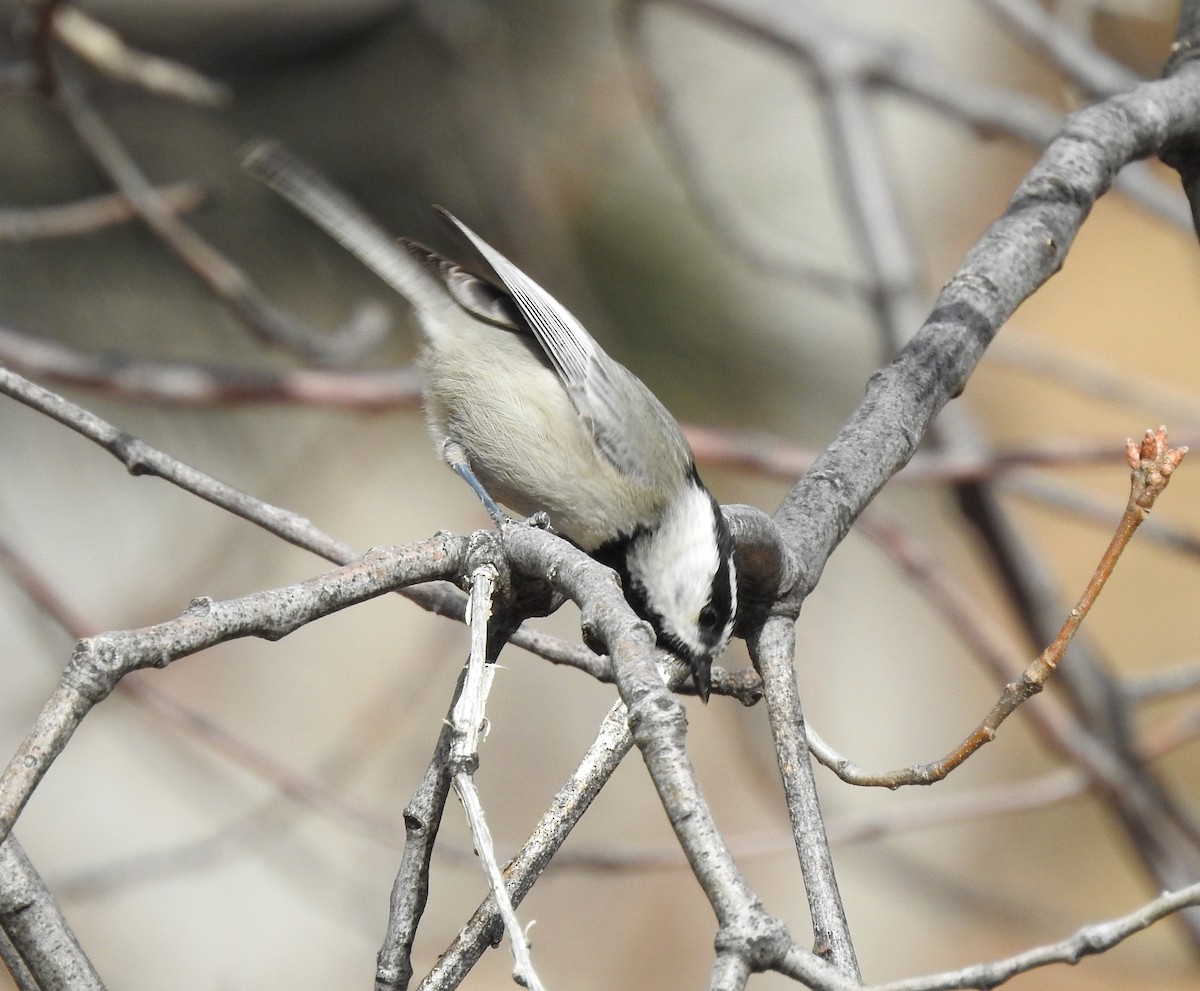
<point x="468" y="721"/>
<point x="467" y="715"/>
<point x="105" y="49"/>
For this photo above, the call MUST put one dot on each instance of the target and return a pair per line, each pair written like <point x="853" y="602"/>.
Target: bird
<point x="525" y="405"/>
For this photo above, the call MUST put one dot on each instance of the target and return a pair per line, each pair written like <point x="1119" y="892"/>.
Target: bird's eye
<point x="709" y="617"/>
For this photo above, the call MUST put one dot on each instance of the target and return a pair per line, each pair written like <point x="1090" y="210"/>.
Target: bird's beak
<point x="702" y="676"/>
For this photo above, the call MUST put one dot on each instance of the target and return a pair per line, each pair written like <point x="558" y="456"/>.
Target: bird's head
<point x="680" y="576"/>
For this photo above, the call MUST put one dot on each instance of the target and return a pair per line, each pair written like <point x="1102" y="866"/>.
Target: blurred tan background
<point x="181" y="867"/>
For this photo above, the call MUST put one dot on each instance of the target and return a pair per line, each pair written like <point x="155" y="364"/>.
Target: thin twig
<point x="484" y="928"/>
<point x="184" y="383"/>
<point x="140" y="458"/>
<point x="1089" y="940"/>
<point x="934" y="810"/>
<point x="104" y="49"/>
<point x="410" y="890"/>
<point x="1152" y="464"/>
<point x="808" y="32"/>
<point x="189" y="383"/>
<point x="272" y="325"/>
<point x="710" y="201"/>
<point x="772" y="648"/>
<point x="1091" y="376"/>
<point x="88" y="215"/>
<point x="46" y="75"/>
<point x="467" y="718"/>
<point x="1056" y="728"/>
<point x="1095" y="72"/>
<point x="1180" y="680"/>
<point x="1062" y="497"/>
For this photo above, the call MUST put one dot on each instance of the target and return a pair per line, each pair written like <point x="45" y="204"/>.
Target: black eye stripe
<point x="720" y="602"/>
<point x="716" y="612"/>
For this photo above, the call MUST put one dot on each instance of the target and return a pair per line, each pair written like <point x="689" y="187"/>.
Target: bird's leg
<point x="456" y="458"/>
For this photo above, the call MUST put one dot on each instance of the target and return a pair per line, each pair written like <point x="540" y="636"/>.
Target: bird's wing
<point x="344" y="220"/>
<point x="480" y="298"/>
<point x="602" y="391"/>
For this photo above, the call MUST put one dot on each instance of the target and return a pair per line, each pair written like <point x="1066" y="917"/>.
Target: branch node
<point x="755" y="936"/>
<point x="1152" y="463"/>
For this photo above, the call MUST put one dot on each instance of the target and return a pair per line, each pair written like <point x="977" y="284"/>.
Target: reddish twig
<point x="1152" y="463"/>
<point x="46" y="79"/>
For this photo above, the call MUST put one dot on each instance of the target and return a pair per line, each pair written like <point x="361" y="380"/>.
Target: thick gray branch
<point x="1018" y="252"/>
<point x="100" y="662"/>
<point x="35" y="930"/>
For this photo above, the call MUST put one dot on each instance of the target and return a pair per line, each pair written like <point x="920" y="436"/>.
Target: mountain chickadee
<point x="525" y="405"/>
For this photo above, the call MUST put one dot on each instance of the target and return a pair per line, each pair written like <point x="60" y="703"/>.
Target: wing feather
<point x="602" y="391"/>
